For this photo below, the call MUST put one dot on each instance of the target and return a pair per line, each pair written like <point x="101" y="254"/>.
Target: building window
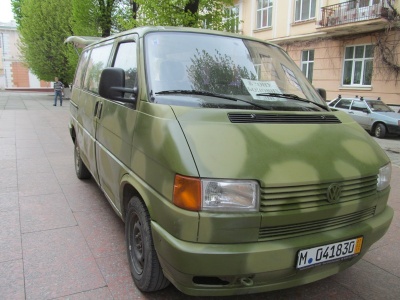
<point x="307" y="63"/>
<point x="264" y="13"/>
<point x="232" y="19"/>
<point x="364" y="3"/>
<point x="357" y="68"/>
<point x="305" y="10"/>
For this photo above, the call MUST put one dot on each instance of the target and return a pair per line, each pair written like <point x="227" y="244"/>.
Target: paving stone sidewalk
<point x="60" y="239"/>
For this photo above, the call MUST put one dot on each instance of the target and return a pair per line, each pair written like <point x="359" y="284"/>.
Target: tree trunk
<point x="135" y="8"/>
<point x="106" y="7"/>
<point x="192" y="7"/>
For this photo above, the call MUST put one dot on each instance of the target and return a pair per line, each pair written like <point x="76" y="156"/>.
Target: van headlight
<point x="197" y="194"/>
<point x="232" y="195"/>
<point x="384" y="176"/>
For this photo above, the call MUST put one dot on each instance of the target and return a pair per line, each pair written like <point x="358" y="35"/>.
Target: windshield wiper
<point x="204" y="93"/>
<point x="293" y="97"/>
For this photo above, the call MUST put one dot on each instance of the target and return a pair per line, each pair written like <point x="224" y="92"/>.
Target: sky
<point x="6" y="14"/>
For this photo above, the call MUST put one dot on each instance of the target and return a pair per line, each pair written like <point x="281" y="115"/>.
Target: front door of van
<point x="89" y="104"/>
<point x="115" y="127"/>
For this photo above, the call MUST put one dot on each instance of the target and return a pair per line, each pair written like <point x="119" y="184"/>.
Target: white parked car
<point x="372" y="114"/>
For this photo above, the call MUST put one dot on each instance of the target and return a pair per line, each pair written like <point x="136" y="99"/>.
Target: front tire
<point x="380" y="131"/>
<point x="143" y="261"/>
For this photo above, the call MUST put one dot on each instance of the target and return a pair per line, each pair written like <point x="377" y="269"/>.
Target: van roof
<point x="83" y="41"/>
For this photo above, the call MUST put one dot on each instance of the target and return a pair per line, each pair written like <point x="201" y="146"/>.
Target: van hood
<point x="279" y="147"/>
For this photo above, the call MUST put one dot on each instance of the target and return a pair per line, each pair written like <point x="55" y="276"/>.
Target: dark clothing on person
<point x="58" y="89"/>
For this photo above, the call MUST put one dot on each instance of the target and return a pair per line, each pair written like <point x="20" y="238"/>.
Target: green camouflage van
<point x="231" y="173"/>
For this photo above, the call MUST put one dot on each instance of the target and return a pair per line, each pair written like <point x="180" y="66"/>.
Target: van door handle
<point x="96" y="106"/>
<point x="100" y="108"/>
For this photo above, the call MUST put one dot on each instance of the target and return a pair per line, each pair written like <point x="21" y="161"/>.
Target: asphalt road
<point x="391" y="144"/>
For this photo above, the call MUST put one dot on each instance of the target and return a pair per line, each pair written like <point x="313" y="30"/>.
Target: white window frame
<point x="307" y="66"/>
<point x="262" y="11"/>
<point x="367" y="3"/>
<point x="299" y="7"/>
<point x="232" y="14"/>
<point x="354" y="61"/>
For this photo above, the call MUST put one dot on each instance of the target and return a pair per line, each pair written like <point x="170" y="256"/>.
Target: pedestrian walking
<point x="58" y="91"/>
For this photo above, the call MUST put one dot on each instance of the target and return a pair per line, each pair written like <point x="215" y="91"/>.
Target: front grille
<point x="283" y="118"/>
<point x="274" y="199"/>
<point x="285" y="199"/>
<point x="288" y="231"/>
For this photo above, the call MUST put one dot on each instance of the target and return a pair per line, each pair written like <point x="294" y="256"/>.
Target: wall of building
<point x="13" y="73"/>
<point x="328" y="68"/>
<point x="20" y="75"/>
<point x="296" y="37"/>
<point x="283" y="24"/>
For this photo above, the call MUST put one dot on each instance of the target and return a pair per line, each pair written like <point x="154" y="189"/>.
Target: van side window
<point x="81" y="68"/>
<point x="97" y="62"/>
<point x="126" y="59"/>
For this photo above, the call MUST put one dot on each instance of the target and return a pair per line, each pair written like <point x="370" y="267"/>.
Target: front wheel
<point x="380" y="131"/>
<point x="143" y="261"/>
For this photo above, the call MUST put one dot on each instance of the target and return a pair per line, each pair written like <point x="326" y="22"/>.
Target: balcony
<point x="373" y="13"/>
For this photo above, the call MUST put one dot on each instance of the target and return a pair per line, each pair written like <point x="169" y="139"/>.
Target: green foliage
<point x="124" y="15"/>
<point x="209" y="14"/>
<point x="16" y="8"/>
<point x="93" y="17"/>
<point x="44" y="25"/>
<point x="106" y="8"/>
<point x="85" y="15"/>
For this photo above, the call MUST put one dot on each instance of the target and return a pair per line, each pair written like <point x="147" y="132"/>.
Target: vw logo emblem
<point x="334" y="192"/>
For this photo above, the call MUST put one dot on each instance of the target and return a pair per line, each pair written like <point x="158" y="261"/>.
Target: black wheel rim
<point x="136" y="246"/>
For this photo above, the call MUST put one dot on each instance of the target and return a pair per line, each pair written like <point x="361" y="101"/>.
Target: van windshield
<point x="205" y="70"/>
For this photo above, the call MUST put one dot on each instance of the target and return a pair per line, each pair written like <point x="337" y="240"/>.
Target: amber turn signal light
<point x="187" y="192"/>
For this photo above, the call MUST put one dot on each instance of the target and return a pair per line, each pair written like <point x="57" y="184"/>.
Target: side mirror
<point x="112" y="85"/>
<point x="322" y="93"/>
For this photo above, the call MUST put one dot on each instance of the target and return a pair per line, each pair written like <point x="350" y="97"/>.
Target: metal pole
<point x="4" y="59"/>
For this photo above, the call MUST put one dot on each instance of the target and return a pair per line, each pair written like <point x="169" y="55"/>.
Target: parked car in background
<point x="372" y="114"/>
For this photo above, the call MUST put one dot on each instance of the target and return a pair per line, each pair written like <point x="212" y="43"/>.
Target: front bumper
<point x="393" y="129"/>
<point x="231" y="269"/>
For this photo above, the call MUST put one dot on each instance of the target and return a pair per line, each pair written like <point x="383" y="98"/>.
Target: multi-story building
<point x="13" y="72"/>
<point x="345" y="47"/>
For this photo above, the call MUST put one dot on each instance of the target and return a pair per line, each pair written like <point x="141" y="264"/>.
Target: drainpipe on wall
<point x="4" y="59"/>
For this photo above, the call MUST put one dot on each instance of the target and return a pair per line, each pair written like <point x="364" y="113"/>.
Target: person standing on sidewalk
<point x="58" y="91"/>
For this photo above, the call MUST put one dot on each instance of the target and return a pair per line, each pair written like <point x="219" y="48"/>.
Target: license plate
<point x="328" y="253"/>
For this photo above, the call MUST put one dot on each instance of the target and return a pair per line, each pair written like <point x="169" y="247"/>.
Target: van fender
<point x="179" y="223"/>
<point x="132" y="185"/>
